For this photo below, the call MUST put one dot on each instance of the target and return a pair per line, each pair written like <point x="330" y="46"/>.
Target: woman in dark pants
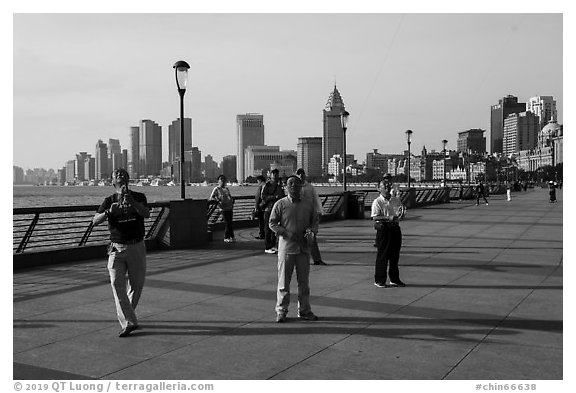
<point x="221" y="195"/>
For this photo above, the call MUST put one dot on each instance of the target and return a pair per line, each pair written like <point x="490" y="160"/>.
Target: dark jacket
<point x="270" y="194"/>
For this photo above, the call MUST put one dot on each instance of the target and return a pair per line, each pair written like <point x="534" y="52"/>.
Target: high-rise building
<point x="250" y="132"/>
<point x="472" y="139"/>
<point x="90" y="167"/>
<point x="150" y="148"/>
<point x="332" y="142"/>
<point x="520" y="132"/>
<point x="113" y="148"/>
<point x="61" y="176"/>
<point x="125" y="159"/>
<point x="174" y="139"/>
<point x="210" y="168"/>
<point x="101" y="163"/>
<point x="309" y="156"/>
<point x="544" y="107"/>
<point x="79" y="166"/>
<point x="194" y="156"/>
<point x="18" y="173"/>
<point x="229" y="167"/>
<point x="117" y="161"/>
<point x="499" y="112"/>
<point x="133" y="153"/>
<point x="70" y="171"/>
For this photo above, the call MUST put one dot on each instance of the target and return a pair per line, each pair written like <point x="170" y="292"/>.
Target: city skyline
<point x="437" y="74"/>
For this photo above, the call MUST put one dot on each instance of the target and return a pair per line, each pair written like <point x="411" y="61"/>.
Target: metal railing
<point x="46" y="228"/>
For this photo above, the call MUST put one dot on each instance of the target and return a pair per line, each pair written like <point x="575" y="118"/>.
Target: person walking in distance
<point x="258" y="212"/>
<point x="272" y="191"/>
<point x="125" y="211"/>
<point x="480" y="192"/>
<point x="552" y="191"/>
<point x="309" y="195"/>
<point x="508" y="191"/>
<point x="221" y="195"/>
<point x="385" y="213"/>
<point x="295" y="222"/>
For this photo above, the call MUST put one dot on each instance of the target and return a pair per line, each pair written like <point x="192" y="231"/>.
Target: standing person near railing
<point x="125" y="211"/>
<point x="221" y="195"/>
<point x="309" y="195"/>
<point x="258" y="212"/>
<point x="385" y="213"/>
<point x="295" y="222"/>
<point x="271" y="192"/>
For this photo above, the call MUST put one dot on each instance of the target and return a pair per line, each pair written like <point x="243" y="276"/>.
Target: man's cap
<point x="387" y="176"/>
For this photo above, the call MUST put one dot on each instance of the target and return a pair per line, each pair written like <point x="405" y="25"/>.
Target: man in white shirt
<point x="385" y="213"/>
<point x="309" y="195"/>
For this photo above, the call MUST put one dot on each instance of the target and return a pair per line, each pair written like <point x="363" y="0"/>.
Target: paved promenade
<point x="483" y="302"/>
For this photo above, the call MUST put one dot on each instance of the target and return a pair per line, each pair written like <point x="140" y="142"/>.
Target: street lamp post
<point x="409" y="140"/>
<point x="469" y="165"/>
<point x="444" y="143"/>
<point x="181" y="70"/>
<point x="344" y="121"/>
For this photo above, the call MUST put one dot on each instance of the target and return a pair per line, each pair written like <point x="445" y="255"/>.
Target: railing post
<point x="86" y="234"/>
<point x="411" y="198"/>
<point x="28" y="234"/>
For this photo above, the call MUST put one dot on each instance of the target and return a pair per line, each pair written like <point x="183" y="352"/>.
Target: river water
<point x="49" y="196"/>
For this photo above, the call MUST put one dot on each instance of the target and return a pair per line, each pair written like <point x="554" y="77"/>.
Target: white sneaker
<point x="270" y="251"/>
<point x="227" y="240"/>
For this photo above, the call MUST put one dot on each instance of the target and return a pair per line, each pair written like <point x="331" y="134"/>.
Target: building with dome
<point x="549" y="149"/>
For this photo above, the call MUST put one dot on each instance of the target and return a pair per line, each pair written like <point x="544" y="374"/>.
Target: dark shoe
<point x="280" y="318"/>
<point x="308" y="317"/>
<point x="127" y="330"/>
<point x="322" y="263"/>
<point x="397" y="284"/>
<point x="259" y="237"/>
<point x="380" y="284"/>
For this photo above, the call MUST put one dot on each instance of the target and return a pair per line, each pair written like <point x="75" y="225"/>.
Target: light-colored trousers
<point x="286" y="265"/>
<point x="127" y="269"/>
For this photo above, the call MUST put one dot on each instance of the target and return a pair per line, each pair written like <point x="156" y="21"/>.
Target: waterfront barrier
<point x="49" y="235"/>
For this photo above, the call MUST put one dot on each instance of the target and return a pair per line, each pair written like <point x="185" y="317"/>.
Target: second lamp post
<point x="181" y="68"/>
<point x="444" y="143"/>
<point x="409" y="140"/>
<point x="344" y="120"/>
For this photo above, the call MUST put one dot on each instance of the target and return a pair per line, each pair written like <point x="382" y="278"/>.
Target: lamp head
<point x="344" y="119"/>
<point x="408" y="136"/>
<point x="181" y="69"/>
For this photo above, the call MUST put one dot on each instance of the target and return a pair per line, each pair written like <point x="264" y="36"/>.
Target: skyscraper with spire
<point x="332" y="137"/>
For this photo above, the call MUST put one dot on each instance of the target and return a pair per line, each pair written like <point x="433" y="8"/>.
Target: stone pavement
<point x="483" y="301"/>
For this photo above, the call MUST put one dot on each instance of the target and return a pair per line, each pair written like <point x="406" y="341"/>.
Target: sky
<point x="80" y="77"/>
